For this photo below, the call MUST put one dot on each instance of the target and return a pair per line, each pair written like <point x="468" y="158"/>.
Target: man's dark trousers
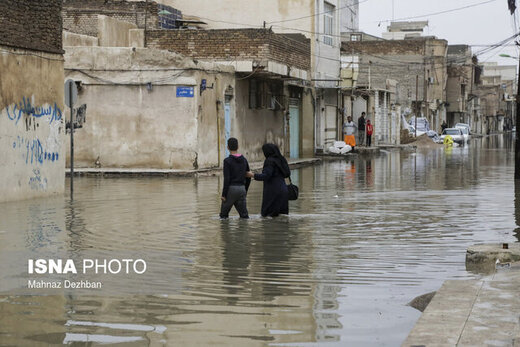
<point x="236" y="196"/>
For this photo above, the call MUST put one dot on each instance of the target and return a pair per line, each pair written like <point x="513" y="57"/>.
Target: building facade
<point x="390" y="78"/>
<point x="319" y="21"/>
<point x="463" y="103"/>
<point x="246" y="83"/>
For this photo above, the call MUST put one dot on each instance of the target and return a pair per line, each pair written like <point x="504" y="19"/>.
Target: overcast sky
<point x="484" y="24"/>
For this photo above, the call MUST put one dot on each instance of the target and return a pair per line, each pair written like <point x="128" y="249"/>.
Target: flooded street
<point x="364" y="239"/>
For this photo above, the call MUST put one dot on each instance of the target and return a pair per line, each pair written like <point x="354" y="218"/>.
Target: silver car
<point x="456" y="134"/>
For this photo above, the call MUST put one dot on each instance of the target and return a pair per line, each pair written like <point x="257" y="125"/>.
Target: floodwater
<point x="365" y="238"/>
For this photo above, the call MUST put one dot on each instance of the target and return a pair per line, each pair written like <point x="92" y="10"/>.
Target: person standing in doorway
<point x="349" y="129"/>
<point x="370" y="131"/>
<point x="236" y="183"/>
<point x="361" y="129"/>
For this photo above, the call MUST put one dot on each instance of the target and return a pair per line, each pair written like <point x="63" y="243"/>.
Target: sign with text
<point x="185" y="92"/>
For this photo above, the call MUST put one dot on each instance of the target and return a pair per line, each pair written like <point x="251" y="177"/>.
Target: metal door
<point x="330" y="126"/>
<point x="227" y="124"/>
<point x="294" y="129"/>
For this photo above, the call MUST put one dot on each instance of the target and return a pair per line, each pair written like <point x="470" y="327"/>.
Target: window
<point x="266" y="95"/>
<point x="355" y="37"/>
<point x="328" y="21"/>
<point x="253" y="94"/>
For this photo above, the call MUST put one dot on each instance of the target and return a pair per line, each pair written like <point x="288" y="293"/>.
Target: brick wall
<point x="233" y="44"/>
<point x="31" y="24"/>
<point x="80" y="16"/>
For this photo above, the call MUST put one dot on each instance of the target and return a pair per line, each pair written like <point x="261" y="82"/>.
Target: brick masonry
<point x="80" y="16"/>
<point x="233" y="44"/>
<point x="31" y="24"/>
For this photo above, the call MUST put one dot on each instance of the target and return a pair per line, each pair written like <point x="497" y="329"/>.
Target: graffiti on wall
<point x="36" y="182"/>
<point x="33" y="132"/>
<point x="15" y="111"/>
<point x="33" y="151"/>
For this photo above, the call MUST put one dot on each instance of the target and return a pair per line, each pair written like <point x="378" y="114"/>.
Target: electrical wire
<point x="435" y="13"/>
<point x="317" y="14"/>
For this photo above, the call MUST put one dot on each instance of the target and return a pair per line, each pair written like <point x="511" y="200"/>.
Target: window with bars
<point x="328" y="22"/>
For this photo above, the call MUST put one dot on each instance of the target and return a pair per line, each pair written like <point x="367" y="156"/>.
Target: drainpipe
<point x="218" y="132"/>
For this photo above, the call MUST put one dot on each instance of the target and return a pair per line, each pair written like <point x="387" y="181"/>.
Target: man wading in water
<point x="235" y="182"/>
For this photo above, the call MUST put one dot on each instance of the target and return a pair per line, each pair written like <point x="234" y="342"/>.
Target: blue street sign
<point x="185" y="92"/>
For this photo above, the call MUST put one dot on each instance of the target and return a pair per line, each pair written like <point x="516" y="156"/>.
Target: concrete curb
<point x="136" y="172"/>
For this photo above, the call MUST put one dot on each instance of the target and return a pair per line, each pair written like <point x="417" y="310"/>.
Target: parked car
<point x="465" y="133"/>
<point x="463" y="125"/>
<point x="455" y="133"/>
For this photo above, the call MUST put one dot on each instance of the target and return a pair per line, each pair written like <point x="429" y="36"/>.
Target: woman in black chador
<point x="276" y="169"/>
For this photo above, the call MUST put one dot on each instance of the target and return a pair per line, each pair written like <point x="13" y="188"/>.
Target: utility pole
<point x="71" y="143"/>
<point x="517" y="141"/>
<point x="416" y="102"/>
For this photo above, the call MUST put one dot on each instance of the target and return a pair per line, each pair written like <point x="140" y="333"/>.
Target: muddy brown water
<point x="365" y="238"/>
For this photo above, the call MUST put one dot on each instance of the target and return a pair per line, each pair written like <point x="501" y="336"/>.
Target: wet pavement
<point x="365" y="238"/>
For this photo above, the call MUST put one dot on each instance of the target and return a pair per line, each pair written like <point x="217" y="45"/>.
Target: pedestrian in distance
<point x="361" y="129"/>
<point x="236" y="183"/>
<point x="349" y="129"/>
<point x="370" y="131"/>
<point x="275" y="200"/>
<point x="444" y="125"/>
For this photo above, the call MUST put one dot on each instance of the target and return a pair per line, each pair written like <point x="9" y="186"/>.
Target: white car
<point x="455" y="133"/>
<point x="465" y="133"/>
<point x="463" y="125"/>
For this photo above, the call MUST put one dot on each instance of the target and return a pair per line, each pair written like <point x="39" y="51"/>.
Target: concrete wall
<point x="31" y="124"/>
<point x="72" y="39"/>
<point x="130" y="125"/>
<point x="31" y="99"/>
<point x="113" y="32"/>
<point x="307" y="125"/>
<point x="254" y="127"/>
<point x="349" y="15"/>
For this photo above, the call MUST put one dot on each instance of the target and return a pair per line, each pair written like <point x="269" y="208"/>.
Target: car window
<point x="452" y="132"/>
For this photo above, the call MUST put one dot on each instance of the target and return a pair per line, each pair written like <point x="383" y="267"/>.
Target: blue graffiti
<point x="34" y="151"/>
<point x="25" y="107"/>
<point x="37" y="182"/>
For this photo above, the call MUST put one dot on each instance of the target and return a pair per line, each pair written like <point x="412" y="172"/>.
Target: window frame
<point x="328" y="23"/>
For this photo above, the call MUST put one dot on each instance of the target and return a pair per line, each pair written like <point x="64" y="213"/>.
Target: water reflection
<point x="365" y="237"/>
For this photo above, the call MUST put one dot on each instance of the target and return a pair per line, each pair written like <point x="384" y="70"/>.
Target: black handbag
<point x="293" y="190"/>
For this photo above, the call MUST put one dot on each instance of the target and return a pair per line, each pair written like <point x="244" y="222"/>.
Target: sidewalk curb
<point x="141" y="172"/>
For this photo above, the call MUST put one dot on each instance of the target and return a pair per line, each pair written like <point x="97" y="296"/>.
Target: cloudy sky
<point x="483" y="24"/>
